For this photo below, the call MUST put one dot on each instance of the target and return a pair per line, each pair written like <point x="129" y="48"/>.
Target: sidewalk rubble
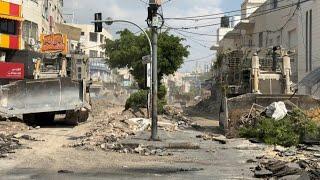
<point x="107" y="129"/>
<point x="294" y="162"/>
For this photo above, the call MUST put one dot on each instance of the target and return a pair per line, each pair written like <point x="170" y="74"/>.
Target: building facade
<point x="92" y="42"/>
<point x="99" y="71"/>
<point x="289" y="25"/>
<point x="10" y="27"/>
<point x="40" y="17"/>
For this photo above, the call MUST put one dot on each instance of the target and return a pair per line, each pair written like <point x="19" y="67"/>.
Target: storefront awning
<point x="3" y="16"/>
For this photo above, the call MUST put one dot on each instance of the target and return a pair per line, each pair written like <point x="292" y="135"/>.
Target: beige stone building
<point x="292" y="25"/>
<point x="40" y="17"/>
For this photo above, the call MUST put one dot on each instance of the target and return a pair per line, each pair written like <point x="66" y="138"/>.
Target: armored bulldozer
<point x="53" y="84"/>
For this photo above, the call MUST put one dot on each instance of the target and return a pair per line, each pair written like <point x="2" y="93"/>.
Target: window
<point x="274" y="4"/>
<point x="79" y="73"/>
<point x="29" y="30"/>
<point x="93" y="54"/>
<point x="101" y="54"/>
<point x="7" y="26"/>
<point x="250" y="43"/>
<point x="93" y="37"/>
<point x="101" y="38"/>
<point x="260" y="39"/>
<point x="308" y="41"/>
<point x="278" y="40"/>
<point x="293" y="39"/>
<point x="271" y="42"/>
<point x="82" y="33"/>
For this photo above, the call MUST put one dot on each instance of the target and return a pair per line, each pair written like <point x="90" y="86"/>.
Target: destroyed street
<point x="159" y="89"/>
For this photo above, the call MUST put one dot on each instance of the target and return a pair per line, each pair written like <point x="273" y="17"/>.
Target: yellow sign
<point x="54" y="43"/>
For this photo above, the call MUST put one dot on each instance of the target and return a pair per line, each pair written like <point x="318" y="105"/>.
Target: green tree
<point x="128" y="50"/>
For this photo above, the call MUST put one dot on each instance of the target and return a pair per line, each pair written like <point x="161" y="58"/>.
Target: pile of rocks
<point x="135" y="149"/>
<point x="301" y="162"/>
<point x="7" y="144"/>
<point x="176" y="114"/>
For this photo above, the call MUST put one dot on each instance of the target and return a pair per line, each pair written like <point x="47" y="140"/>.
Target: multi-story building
<point x="292" y="25"/>
<point x="99" y="70"/>
<point x="40" y="17"/>
<point x="92" y="42"/>
<point x="10" y="27"/>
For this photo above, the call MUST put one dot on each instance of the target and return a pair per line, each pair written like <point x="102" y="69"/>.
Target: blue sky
<point x="135" y="10"/>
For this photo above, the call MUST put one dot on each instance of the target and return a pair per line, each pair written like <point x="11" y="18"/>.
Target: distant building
<point x="99" y="70"/>
<point x="92" y="42"/>
<point x="126" y="78"/>
<point x="266" y="24"/>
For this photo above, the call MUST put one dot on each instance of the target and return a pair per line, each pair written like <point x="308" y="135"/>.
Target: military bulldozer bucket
<point x="43" y="95"/>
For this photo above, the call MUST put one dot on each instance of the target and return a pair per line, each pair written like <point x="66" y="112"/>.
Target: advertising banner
<point x="11" y="70"/>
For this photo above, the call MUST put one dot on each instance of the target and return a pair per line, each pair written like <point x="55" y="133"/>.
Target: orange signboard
<point x="54" y="43"/>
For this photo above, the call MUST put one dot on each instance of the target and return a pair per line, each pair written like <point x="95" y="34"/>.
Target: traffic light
<point x="98" y="25"/>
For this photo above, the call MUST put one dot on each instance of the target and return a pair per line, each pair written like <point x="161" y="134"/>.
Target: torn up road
<point x="83" y="152"/>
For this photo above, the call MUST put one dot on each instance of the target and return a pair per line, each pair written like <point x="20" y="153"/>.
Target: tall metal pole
<point x="152" y="16"/>
<point x="154" y="124"/>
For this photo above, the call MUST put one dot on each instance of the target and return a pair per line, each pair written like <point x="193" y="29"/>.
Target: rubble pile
<point x="9" y="127"/>
<point x="136" y="149"/>
<point x="277" y="125"/>
<point x="176" y="115"/>
<point x="7" y="144"/>
<point x="210" y="105"/>
<point x="301" y="162"/>
<point x="107" y="129"/>
<point x="213" y="137"/>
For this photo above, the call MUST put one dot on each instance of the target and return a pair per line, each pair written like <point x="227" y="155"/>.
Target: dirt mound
<point x="9" y="127"/>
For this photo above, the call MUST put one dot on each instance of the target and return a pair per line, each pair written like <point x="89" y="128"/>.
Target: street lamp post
<point x="109" y="21"/>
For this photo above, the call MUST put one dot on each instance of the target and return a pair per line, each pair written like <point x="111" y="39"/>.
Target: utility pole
<point x="153" y="24"/>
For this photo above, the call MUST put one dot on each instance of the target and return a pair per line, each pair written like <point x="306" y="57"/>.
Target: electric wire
<point x="215" y="14"/>
<point x="259" y="14"/>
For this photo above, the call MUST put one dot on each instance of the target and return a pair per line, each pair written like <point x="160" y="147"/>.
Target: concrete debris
<point x="109" y="127"/>
<point x="213" y="137"/>
<point x="26" y="137"/>
<point x="262" y="173"/>
<point x="141" y="123"/>
<point x="277" y="110"/>
<point x="176" y="115"/>
<point x="138" y="149"/>
<point x="288" y="162"/>
<point x="8" y="144"/>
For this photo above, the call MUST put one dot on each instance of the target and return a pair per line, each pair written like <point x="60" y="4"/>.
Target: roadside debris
<point x="297" y="162"/>
<point x="278" y="126"/>
<point x="109" y="127"/>
<point x="136" y="149"/>
<point x="176" y="115"/>
<point x="8" y="144"/>
<point x="213" y="137"/>
<point x="26" y="137"/>
<point x="277" y="110"/>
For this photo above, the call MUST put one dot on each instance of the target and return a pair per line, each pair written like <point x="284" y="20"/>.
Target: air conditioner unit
<point x="2" y="56"/>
